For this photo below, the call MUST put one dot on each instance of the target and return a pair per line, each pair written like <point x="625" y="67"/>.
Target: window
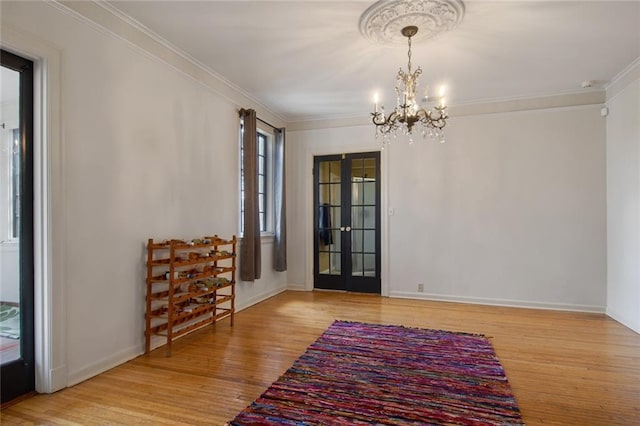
<point x="264" y="150"/>
<point x="262" y="181"/>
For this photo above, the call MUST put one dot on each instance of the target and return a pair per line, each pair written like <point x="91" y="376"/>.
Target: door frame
<point x="346" y="280"/>
<point x="18" y="376"/>
<point x="49" y="212"/>
<point x="312" y="152"/>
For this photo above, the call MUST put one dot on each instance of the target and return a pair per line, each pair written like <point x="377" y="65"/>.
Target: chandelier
<point x="408" y="113"/>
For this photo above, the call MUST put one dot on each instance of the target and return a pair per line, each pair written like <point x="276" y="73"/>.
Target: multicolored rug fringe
<point x="361" y="374"/>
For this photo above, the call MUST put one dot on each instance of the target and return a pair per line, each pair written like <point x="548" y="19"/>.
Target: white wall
<point x="510" y="210"/>
<point x="147" y="151"/>
<point x="623" y="205"/>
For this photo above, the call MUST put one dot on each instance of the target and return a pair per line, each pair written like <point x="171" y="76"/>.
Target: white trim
<point x="550" y="102"/>
<point x="568" y="97"/>
<point x="497" y="302"/>
<point x="105" y="364"/>
<point x="626" y="70"/>
<point x="454" y="112"/>
<point x="624" y="79"/>
<point x="297" y="287"/>
<point x="49" y="211"/>
<point x="261" y="297"/>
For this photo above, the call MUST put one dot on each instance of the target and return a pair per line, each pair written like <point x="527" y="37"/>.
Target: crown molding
<point x="623" y="79"/>
<point x="328" y="123"/>
<point x="565" y="100"/>
<point x="106" y="18"/>
<point x="561" y="100"/>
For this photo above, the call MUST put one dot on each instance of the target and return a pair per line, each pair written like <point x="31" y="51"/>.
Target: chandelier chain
<point x="409" y="55"/>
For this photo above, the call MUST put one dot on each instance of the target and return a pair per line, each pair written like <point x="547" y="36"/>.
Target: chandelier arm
<point x="378" y="118"/>
<point x="439" y="124"/>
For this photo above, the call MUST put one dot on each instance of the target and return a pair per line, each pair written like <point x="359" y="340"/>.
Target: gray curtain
<point x="280" y="201"/>
<point x="250" y="260"/>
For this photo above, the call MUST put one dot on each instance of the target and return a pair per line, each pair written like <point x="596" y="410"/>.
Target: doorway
<point x="347" y="222"/>
<point x="17" y="366"/>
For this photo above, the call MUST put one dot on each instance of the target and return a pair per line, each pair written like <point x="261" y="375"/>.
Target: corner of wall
<point x="622" y="319"/>
<point x="104" y="364"/>
<point x="620" y="82"/>
<point x="296" y="287"/>
<point x="623" y="197"/>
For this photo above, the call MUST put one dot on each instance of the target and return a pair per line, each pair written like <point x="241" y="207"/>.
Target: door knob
<point x="348" y="228"/>
<point x="342" y="228"/>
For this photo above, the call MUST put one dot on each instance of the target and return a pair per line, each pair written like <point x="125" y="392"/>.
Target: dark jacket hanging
<point x="324" y="225"/>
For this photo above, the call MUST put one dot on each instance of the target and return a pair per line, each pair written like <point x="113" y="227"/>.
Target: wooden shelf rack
<point x="190" y="284"/>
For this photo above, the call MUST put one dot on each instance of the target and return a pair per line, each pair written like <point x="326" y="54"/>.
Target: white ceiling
<point x="307" y="60"/>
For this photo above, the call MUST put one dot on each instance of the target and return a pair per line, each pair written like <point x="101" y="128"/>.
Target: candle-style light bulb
<point x="442" y="102"/>
<point x="375" y="102"/>
<point x="442" y="88"/>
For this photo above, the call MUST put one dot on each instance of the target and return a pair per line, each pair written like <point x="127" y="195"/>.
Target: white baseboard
<point x="624" y="320"/>
<point x="259" y="298"/>
<point x="104" y="364"/>
<point x="497" y="302"/>
<point x="130" y="353"/>
<point x="57" y="379"/>
<point x="296" y="287"/>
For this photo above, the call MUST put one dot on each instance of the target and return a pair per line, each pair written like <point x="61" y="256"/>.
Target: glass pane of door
<point x="329" y="211"/>
<point x="363" y="217"/>
<point x="10" y="160"/>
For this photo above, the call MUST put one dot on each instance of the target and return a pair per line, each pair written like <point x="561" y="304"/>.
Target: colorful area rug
<point x="357" y="374"/>
<point x="9" y="321"/>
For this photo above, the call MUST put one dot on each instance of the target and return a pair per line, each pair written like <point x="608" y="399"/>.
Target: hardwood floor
<point x="565" y="368"/>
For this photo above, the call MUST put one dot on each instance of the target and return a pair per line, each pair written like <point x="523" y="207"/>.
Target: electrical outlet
<point x="421" y="288"/>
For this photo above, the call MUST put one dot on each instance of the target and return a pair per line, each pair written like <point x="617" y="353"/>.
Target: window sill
<point x="265" y="237"/>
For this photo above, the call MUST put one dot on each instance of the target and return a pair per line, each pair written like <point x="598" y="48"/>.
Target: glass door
<point x="328" y="220"/>
<point x="347" y="222"/>
<point x="16" y="227"/>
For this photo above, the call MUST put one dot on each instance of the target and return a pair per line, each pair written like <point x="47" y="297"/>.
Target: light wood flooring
<point x="565" y="368"/>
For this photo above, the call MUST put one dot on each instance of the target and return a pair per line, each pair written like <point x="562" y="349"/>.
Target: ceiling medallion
<point x="383" y="21"/>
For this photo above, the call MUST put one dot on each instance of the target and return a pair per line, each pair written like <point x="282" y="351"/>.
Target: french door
<point x="347" y="222"/>
<point x="17" y="369"/>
